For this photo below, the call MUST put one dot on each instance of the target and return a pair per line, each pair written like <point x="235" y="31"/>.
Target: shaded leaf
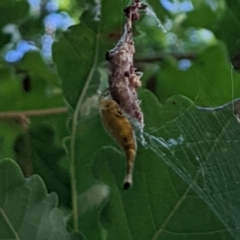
<point x="160" y="205"/>
<point x="4" y="39"/>
<point x="33" y="63"/>
<point x="26" y="210"/>
<point x="227" y="28"/>
<point x="13" y="11"/>
<point x="43" y="90"/>
<point x="90" y="137"/>
<point x="9" y="131"/>
<point x="36" y="152"/>
<point x="32" y="27"/>
<point x="201" y="17"/>
<point x="75" y="49"/>
<point x="83" y="46"/>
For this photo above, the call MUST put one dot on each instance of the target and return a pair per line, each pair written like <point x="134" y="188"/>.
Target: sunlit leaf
<point x="207" y="82"/>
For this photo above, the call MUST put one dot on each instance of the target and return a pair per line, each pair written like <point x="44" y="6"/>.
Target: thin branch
<point x="74" y="135"/>
<point x="33" y="113"/>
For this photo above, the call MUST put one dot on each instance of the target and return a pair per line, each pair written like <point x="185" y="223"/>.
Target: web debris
<point x="122" y="111"/>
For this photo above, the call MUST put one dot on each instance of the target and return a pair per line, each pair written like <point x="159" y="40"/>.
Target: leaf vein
<point x="9" y="224"/>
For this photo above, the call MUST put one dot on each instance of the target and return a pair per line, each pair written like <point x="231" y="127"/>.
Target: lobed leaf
<point x="177" y="191"/>
<point x="26" y="210"/>
<point x="37" y="152"/>
<point x="207" y="82"/>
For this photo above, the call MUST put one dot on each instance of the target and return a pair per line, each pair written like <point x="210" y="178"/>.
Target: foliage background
<point x="65" y="179"/>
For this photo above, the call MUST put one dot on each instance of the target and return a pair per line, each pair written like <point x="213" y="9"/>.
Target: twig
<point x="74" y="135"/>
<point x="33" y="113"/>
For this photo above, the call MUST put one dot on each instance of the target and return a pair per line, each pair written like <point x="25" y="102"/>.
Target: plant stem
<point x="73" y="137"/>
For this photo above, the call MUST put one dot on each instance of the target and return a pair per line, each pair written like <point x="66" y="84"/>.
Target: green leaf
<point x="90" y="137"/>
<point x="158" y="9"/>
<point x="183" y="139"/>
<point x="36" y="152"/>
<point x="228" y="28"/>
<point x="153" y="208"/>
<point x="83" y="46"/>
<point x="26" y="210"/>
<point x="4" y="39"/>
<point x="112" y="15"/>
<point x="9" y="87"/>
<point x="43" y="89"/>
<point x="13" y="11"/>
<point x="8" y="133"/>
<point x="33" y="27"/>
<point x="207" y="82"/>
<point x="34" y="86"/>
<point x="76" y="50"/>
<point x="33" y="63"/>
<point x="201" y="17"/>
